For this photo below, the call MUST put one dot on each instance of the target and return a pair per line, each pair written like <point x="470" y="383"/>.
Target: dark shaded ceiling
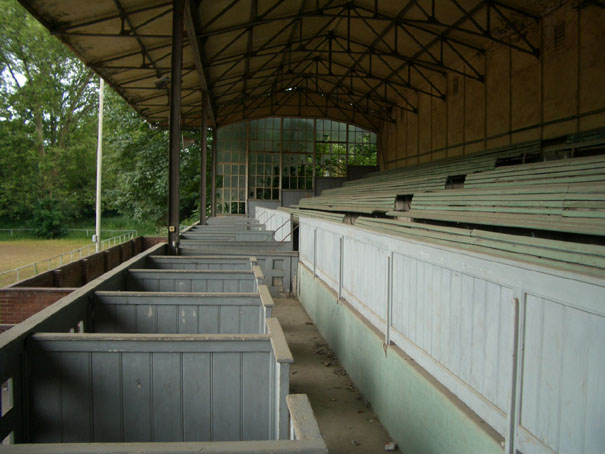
<point x="352" y="61"/>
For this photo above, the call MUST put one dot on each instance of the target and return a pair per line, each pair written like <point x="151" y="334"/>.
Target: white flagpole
<point x="99" y="168"/>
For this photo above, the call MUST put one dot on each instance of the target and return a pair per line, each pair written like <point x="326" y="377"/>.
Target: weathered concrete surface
<point x="346" y="422"/>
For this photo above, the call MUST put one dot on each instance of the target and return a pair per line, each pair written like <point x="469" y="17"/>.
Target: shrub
<point x="50" y="219"/>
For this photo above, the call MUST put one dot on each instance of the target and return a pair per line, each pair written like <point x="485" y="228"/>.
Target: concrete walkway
<point x="345" y="419"/>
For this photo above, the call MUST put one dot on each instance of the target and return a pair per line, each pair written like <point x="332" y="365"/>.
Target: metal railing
<point x="89" y="231"/>
<point x="33" y="269"/>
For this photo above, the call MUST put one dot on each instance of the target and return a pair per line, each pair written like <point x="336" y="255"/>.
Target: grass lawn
<point x="16" y="253"/>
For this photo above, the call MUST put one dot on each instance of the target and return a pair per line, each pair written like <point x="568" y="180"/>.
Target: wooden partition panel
<point x="201" y="263"/>
<point x="115" y="388"/>
<point x="195" y="247"/>
<point x="278" y="267"/>
<point x="191" y="281"/>
<point x="183" y="313"/>
<point x="246" y="235"/>
<point x="61" y="316"/>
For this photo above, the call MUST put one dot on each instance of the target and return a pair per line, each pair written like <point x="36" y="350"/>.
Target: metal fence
<point x="23" y="272"/>
<point x="89" y="232"/>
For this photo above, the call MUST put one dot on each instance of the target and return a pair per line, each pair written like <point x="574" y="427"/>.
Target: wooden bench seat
<point x="570" y="256"/>
<point x="575" y="208"/>
<point x="576" y="170"/>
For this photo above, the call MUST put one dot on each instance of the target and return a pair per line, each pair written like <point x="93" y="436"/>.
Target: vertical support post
<point x="204" y="157"/>
<point x="175" y="125"/>
<point x="213" y="208"/>
<point x="281" y="160"/>
<point x="314" y="153"/>
<point x="347" y="152"/>
<point x="247" y="166"/>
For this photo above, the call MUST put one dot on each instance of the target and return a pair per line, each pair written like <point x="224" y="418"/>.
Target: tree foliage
<point x="47" y="115"/>
<point x="48" y="135"/>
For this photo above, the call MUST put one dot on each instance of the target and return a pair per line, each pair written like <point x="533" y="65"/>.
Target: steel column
<point x="204" y="157"/>
<point x="175" y="125"/>
<point x="213" y="207"/>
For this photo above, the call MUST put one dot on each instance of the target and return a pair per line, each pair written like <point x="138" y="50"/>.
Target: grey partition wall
<point x="225" y="235"/>
<point x="194" y="247"/>
<point x="221" y="263"/>
<point x="145" y="387"/>
<point x="193" y="313"/>
<point x="149" y="280"/>
<point x="305" y="438"/>
<point x="278" y="267"/>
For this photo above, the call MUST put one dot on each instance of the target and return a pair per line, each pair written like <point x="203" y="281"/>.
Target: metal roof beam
<point x="191" y="28"/>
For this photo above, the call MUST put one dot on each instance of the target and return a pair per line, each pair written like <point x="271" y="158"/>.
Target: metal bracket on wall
<point x="389" y="308"/>
<point x="341" y="247"/>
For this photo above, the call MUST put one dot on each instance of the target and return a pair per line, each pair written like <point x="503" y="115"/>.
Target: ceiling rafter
<point x="384" y="32"/>
<point x="363" y="57"/>
<point x="291" y="86"/>
<point x="357" y="74"/>
<point x="58" y="27"/>
<point x="346" y="107"/>
<point x="191" y="25"/>
<point x="293" y="79"/>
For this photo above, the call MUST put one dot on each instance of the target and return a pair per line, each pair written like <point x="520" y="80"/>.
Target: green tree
<point x="47" y="120"/>
<point x="136" y="169"/>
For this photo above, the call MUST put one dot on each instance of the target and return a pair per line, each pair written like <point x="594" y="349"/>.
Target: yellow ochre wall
<point x="523" y="97"/>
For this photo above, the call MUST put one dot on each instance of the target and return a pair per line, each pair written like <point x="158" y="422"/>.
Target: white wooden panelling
<point x="305" y="245"/>
<point x="364" y="275"/>
<point x="278" y="221"/>
<point x="453" y="312"/>
<point x="328" y="260"/>
<point x="563" y="398"/>
<point x="456" y="319"/>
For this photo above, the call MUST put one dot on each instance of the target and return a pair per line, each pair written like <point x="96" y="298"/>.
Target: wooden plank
<point x="256" y="397"/>
<point x="167" y="397"/>
<point x="503" y="247"/>
<point x="209" y="320"/>
<point x="226" y="396"/>
<point x="106" y="397"/>
<point x="75" y="396"/>
<point x="167" y="319"/>
<point x="566" y="224"/>
<point x="136" y="392"/>
<point x="45" y="398"/>
<point x="188" y="322"/>
<point x="197" y="373"/>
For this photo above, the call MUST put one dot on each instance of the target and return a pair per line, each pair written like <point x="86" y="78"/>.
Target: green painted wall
<point x="421" y="416"/>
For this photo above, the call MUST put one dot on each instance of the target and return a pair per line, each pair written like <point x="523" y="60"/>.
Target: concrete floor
<point x="346" y="420"/>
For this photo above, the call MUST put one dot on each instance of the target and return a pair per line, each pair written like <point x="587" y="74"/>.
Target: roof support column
<point x="204" y="158"/>
<point x="175" y="125"/>
<point x="213" y="208"/>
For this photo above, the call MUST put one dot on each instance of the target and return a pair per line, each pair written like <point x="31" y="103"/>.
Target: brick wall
<point x="29" y="296"/>
<point x="17" y="304"/>
<point x="85" y="270"/>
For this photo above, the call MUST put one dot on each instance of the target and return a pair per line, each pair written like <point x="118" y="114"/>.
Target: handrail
<point x="79" y="253"/>
<point x="88" y="231"/>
